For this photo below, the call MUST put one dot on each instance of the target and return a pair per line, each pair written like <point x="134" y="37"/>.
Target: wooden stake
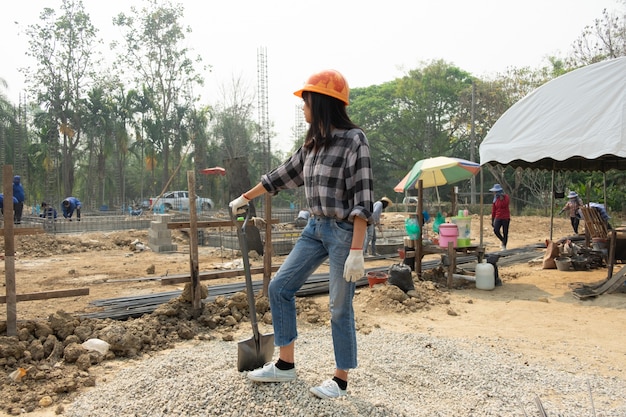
<point x="9" y="251"/>
<point x="194" y="270"/>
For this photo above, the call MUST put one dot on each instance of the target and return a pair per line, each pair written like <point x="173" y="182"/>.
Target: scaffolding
<point x="264" y="124"/>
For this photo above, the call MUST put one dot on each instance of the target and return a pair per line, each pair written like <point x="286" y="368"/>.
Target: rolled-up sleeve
<point x="290" y="174"/>
<point x="362" y="181"/>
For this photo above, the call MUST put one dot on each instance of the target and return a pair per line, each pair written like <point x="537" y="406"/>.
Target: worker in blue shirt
<point x="47" y="211"/>
<point x="2" y="203"/>
<point x="20" y="196"/>
<point x="69" y="205"/>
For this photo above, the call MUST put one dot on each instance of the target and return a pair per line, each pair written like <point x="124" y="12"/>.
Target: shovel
<point x="256" y="351"/>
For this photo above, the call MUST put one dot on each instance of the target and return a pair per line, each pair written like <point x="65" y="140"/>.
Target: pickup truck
<point x="179" y="201"/>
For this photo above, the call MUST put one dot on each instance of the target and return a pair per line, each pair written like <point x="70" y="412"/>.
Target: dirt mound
<point x="56" y="365"/>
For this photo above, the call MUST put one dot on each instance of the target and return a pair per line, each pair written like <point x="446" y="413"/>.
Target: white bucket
<point x="485" y="276"/>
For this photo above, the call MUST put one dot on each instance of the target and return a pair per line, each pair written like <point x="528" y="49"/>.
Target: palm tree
<point x="8" y="122"/>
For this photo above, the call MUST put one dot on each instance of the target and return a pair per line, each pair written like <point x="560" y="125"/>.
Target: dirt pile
<point x="44" y="245"/>
<point x="57" y="366"/>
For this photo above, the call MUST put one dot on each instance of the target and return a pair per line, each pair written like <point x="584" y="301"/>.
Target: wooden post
<point x="267" y="252"/>
<point x="611" y="259"/>
<point x="451" y="262"/>
<point x="9" y="251"/>
<point x="193" y="245"/>
<point x="419" y="248"/>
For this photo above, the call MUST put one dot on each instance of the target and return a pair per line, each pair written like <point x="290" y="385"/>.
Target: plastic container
<point x="563" y="263"/>
<point x="463" y="242"/>
<point x="485" y="276"/>
<point x="376" y="277"/>
<point x="465" y="226"/>
<point x="448" y="232"/>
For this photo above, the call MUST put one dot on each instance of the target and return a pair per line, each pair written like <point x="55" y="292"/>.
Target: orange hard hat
<point x="327" y="82"/>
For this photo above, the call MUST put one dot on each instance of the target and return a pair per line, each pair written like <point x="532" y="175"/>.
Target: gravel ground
<point x="399" y="374"/>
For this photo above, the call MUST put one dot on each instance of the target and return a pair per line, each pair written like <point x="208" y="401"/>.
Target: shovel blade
<point x="251" y="356"/>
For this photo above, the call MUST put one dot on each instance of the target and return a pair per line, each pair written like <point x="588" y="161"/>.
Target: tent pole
<point x="481" y="207"/>
<point x="606" y="206"/>
<point x="437" y="191"/>
<point x="552" y="205"/>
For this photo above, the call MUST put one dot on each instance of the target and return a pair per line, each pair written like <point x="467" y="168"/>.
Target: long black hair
<point x="326" y="113"/>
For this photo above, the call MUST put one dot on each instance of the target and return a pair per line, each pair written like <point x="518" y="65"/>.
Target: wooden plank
<point x="207" y="224"/>
<point x="45" y="295"/>
<point x="202" y="225"/>
<point x="594" y="223"/>
<point x="24" y="231"/>
<point x="607" y="286"/>
<point x="231" y="273"/>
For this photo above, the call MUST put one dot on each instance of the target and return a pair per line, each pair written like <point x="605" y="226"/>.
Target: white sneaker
<point x="270" y="373"/>
<point x="328" y="389"/>
<point x="503" y="247"/>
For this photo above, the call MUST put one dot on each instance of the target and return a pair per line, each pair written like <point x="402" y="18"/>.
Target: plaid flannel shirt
<point x="337" y="180"/>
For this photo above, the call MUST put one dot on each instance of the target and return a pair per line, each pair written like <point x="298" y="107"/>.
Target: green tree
<point x="153" y="48"/>
<point x="410" y="118"/>
<point x="7" y="122"/>
<point x="233" y="131"/>
<point x="63" y="49"/>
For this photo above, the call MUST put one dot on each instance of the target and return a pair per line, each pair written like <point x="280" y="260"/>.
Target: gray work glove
<point x="354" y="268"/>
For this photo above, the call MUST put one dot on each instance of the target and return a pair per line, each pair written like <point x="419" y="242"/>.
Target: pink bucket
<point x="448" y="232"/>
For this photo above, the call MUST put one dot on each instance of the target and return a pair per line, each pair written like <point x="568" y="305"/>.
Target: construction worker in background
<point x="18" y="194"/>
<point x="379" y="207"/>
<point x="68" y="206"/>
<point x="500" y="214"/>
<point x="47" y="211"/>
<point x="2" y="203"/>
<point x="573" y="204"/>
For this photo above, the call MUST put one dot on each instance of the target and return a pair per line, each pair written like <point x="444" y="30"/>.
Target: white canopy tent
<point x="575" y="122"/>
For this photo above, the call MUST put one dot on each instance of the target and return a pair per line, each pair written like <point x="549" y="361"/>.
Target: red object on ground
<point x="376" y="277"/>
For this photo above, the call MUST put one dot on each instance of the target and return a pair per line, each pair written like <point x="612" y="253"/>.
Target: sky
<point x="368" y="42"/>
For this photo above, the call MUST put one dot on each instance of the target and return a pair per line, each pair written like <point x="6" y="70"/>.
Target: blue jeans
<point x="322" y="238"/>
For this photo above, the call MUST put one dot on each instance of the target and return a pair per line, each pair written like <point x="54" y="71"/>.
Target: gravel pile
<point x="399" y="374"/>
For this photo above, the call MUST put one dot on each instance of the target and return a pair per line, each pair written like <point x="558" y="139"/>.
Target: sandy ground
<point x="533" y="313"/>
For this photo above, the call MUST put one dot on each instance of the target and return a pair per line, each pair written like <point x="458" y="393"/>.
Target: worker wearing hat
<point x="379" y="207"/>
<point x="500" y="215"/>
<point x="573" y="204"/>
<point x="334" y="167"/>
